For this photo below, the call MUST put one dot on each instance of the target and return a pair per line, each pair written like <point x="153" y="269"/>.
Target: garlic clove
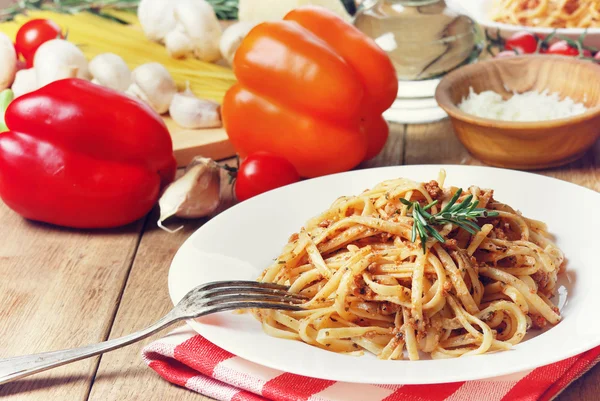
<point x="232" y="39"/>
<point x="153" y="84"/>
<point x="8" y="62"/>
<point x="195" y="194"/>
<point x="111" y="71"/>
<point x="188" y="111"/>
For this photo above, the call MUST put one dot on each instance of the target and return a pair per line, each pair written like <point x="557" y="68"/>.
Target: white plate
<point x="480" y="11"/>
<point x="241" y="242"/>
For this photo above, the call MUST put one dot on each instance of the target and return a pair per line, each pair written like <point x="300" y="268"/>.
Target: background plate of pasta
<point x="411" y="274"/>
<point x="569" y="18"/>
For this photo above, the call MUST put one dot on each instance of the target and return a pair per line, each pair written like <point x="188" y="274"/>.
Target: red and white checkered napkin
<point x="188" y="360"/>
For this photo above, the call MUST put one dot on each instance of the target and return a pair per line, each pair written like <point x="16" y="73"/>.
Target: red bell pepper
<point x="80" y="155"/>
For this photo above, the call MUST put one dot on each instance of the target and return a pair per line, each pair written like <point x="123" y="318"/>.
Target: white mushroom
<point x="157" y="18"/>
<point x="111" y="71"/>
<point x="59" y="59"/>
<point x="8" y="62"/>
<point x="232" y="39"/>
<point x="197" y="31"/>
<point x="25" y="82"/>
<point x="188" y="111"/>
<point x="153" y="84"/>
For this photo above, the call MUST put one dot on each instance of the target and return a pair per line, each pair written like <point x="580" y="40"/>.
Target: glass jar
<point x="424" y="38"/>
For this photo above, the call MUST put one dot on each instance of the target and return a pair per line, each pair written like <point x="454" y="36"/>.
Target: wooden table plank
<point x="122" y="374"/>
<point x="59" y="289"/>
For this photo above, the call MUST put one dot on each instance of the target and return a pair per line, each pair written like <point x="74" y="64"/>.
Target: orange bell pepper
<point x="311" y="88"/>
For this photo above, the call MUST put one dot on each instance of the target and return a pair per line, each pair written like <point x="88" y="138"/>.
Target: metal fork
<point x="203" y="300"/>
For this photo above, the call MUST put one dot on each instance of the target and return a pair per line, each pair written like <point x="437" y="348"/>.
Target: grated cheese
<point x="527" y="106"/>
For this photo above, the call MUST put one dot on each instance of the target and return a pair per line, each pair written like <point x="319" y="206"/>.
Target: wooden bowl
<point x="525" y="145"/>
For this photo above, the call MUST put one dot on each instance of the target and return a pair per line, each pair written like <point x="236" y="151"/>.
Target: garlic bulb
<point x="157" y="18"/>
<point x="195" y="194"/>
<point x="188" y="111"/>
<point x="8" y="62"/>
<point x="59" y="59"/>
<point x="153" y="84"/>
<point x="232" y="39"/>
<point x="197" y="31"/>
<point x="111" y="71"/>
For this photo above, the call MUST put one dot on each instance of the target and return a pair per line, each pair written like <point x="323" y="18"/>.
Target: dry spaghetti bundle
<point x="370" y="285"/>
<point x="548" y="13"/>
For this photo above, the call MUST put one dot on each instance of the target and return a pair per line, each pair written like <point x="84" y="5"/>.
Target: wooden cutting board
<point x="188" y="143"/>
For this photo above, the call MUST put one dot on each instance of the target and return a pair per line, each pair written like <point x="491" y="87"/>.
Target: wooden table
<point x="61" y="288"/>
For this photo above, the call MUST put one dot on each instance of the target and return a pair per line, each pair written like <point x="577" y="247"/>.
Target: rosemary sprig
<point x="463" y="215"/>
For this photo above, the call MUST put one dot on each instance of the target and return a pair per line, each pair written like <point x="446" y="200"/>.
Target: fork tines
<point x="230" y="295"/>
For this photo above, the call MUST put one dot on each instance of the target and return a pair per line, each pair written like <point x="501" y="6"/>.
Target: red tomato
<point x="587" y="53"/>
<point x="597" y="56"/>
<point x="506" y="53"/>
<point x="563" y="48"/>
<point x="33" y="34"/>
<point x="260" y="172"/>
<point x="522" y="42"/>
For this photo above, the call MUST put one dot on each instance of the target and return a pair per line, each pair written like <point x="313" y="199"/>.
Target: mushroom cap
<point x="156" y="84"/>
<point x="111" y="71"/>
<point x="8" y="55"/>
<point x="58" y="59"/>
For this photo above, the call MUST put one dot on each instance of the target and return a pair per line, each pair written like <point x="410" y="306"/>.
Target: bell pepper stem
<point x="6" y="96"/>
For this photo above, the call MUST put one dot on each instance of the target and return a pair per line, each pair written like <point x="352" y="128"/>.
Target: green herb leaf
<point x="463" y="215"/>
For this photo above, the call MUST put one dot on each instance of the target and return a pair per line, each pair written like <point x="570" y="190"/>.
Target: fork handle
<point x="22" y="366"/>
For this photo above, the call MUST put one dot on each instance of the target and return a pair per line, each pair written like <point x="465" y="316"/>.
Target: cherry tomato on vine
<point x="563" y="48"/>
<point x="33" y="34"/>
<point x="522" y="42"/>
<point x="260" y="172"/>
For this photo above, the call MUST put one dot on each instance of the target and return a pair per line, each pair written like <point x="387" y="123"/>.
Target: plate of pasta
<point x="411" y="274"/>
<point x="568" y="18"/>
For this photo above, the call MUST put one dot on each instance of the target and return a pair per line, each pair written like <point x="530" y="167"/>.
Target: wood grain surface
<point x="59" y="288"/>
<point x="63" y="288"/>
